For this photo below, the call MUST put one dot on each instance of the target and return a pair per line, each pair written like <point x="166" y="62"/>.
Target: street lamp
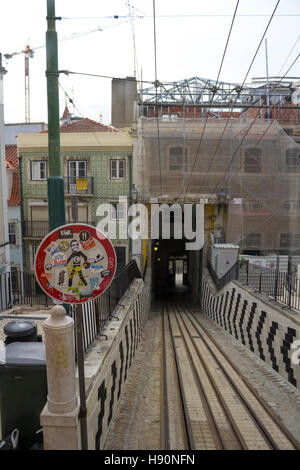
<point x="134" y="194"/>
<point x="221" y="198"/>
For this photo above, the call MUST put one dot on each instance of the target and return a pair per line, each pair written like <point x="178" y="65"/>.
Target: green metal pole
<point x="56" y="199"/>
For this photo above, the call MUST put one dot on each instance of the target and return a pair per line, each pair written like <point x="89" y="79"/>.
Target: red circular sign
<point x="75" y="263"/>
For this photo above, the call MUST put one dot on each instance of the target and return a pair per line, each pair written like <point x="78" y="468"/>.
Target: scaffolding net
<point x="253" y="164"/>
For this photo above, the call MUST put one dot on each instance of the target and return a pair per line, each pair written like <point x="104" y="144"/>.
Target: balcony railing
<point x="79" y="185"/>
<point x="39" y="229"/>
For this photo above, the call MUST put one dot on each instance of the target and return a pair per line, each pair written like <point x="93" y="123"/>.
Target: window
<point x="38" y="171"/>
<point x="252" y="161"/>
<point x="117" y="169"/>
<point x="177" y="160"/>
<point x="81" y="213"/>
<point x="254" y="205"/>
<point x="292" y="160"/>
<point x="253" y="239"/>
<point x="12" y="233"/>
<point x="288" y="131"/>
<point x="77" y="169"/>
<point x="289" y="239"/>
<point x="291" y="205"/>
<point x="117" y="211"/>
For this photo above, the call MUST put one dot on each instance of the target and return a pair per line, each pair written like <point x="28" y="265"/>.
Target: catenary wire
<point x="213" y="94"/>
<point x="241" y="87"/>
<point x="252" y="123"/>
<point x="156" y="84"/>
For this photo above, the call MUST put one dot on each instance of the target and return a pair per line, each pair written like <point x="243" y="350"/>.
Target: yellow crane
<point x="29" y="54"/>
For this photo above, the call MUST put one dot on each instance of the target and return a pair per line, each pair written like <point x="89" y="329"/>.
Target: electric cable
<point x="239" y="91"/>
<point x="251" y="125"/>
<point x="213" y="95"/>
<point x="156" y="85"/>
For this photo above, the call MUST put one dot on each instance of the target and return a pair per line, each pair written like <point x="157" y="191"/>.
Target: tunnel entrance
<point x="178" y="270"/>
<point x="174" y="269"/>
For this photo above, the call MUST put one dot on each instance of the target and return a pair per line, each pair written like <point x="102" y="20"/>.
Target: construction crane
<point x="29" y="54"/>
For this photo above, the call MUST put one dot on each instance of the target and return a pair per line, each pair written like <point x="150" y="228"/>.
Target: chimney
<point x="123" y="97"/>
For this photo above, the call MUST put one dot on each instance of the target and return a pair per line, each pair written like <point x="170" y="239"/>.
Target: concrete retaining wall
<point x="259" y="323"/>
<point x="108" y="363"/>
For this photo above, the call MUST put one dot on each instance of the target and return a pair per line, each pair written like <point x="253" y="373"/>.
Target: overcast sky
<point x="189" y="43"/>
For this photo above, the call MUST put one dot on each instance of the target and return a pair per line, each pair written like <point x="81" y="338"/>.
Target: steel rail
<point x="205" y="400"/>
<point x="250" y="409"/>
<point x="186" y="425"/>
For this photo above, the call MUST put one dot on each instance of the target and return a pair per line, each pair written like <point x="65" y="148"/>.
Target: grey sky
<point x="186" y="46"/>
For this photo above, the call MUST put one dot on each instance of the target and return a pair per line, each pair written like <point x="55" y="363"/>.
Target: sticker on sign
<point x="75" y="263"/>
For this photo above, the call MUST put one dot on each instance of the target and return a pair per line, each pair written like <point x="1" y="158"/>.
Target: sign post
<point x="76" y="263"/>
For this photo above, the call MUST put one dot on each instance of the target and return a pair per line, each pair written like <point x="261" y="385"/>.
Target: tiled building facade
<point x="96" y="166"/>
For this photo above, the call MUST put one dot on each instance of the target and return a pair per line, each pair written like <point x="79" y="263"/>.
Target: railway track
<point x="206" y="403"/>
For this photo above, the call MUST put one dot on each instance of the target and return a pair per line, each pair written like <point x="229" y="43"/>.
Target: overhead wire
<point x="131" y="18"/>
<point x="250" y="127"/>
<point x="156" y="95"/>
<point x="208" y="15"/>
<point x="289" y="54"/>
<point x="213" y="95"/>
<point x="257" y="143"/>
<point x="241" y="87"/>
<point x="81" y="115"/>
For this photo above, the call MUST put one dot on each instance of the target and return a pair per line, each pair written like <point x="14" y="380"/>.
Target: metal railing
<point x="283" y="287"/>
<point x="75" y="185"/>
<point x="19" y="288"/>
<point x="97" y="312"/>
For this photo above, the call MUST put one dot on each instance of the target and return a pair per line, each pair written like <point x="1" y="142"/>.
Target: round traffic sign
<point x="75" y="263"/>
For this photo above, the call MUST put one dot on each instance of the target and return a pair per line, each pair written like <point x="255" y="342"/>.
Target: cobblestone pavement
<point x="137" y="423"/>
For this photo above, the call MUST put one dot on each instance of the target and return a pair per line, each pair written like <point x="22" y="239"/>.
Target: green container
<point x="23" y="390"/>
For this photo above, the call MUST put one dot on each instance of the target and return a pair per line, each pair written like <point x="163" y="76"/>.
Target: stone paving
<point x="137" y="423"/>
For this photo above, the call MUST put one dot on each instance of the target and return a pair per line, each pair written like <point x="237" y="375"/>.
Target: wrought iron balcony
<point x="39" y="229"/>
<point x="75" y="185"/>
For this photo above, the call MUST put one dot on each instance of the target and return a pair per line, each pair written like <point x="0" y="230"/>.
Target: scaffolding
<point x="196" y="97"/>
<point x="254" y="163"/>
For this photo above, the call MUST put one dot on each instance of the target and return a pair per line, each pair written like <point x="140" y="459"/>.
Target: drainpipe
<point x="21" y="211"/>
<point x="130" y="202"/>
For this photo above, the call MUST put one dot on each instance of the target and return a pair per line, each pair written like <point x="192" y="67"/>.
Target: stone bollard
<point x="59" y="417"/>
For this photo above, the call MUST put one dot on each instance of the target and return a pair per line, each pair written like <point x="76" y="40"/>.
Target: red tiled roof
<point x="14" y="199"/>
<point x="11" y="156"/>
<point x="86" y="125"/>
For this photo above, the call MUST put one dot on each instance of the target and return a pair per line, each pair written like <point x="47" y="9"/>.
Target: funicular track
<point x="206" y="404"/>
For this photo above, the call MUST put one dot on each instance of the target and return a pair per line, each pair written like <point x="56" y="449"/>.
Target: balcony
<point x="79" y="185"/>
<point x="39" y="229"/>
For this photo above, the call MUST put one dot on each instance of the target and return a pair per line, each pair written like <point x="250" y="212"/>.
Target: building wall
<point x="104" y="189"/>
<point x="107" y="368"/>
<point x="219" y="159"/>
<point x="4" y="247"/>
<point x="16" y="257"/>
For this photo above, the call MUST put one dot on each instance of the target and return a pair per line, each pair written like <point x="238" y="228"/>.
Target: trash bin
<point x="21" y="330"/>
<point x="23" y="390"/>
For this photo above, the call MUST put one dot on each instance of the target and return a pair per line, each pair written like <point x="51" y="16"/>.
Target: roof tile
<point x="14" y="199"/>
<point x="11" y="155"/>
<point x="86" y="125"/>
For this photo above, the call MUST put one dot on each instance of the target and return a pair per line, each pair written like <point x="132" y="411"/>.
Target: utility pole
<point x="56" y="198"/>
